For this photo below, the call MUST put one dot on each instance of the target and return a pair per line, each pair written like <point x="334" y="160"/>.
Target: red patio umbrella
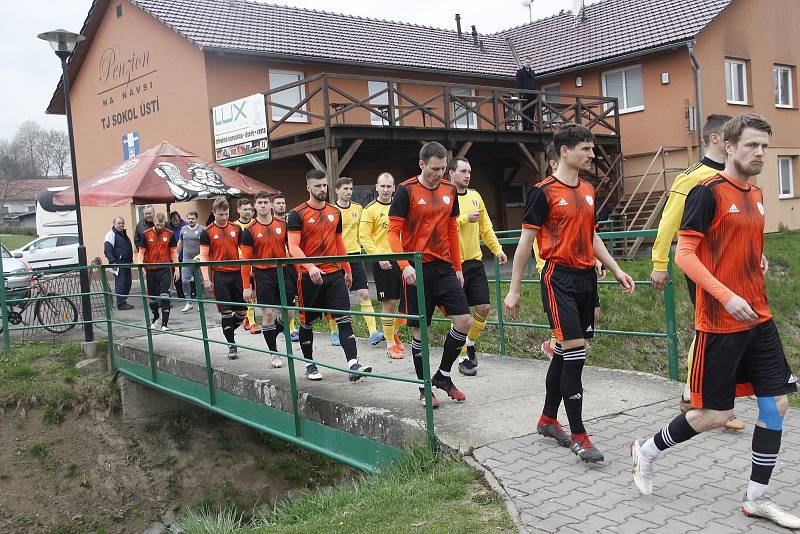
<point x="162" y="175"/>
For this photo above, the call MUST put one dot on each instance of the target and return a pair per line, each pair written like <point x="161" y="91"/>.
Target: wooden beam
<point x="528" y="158"/>
<point x="332" y="171"/>
<point x="349" y="153"/>
<point x="315" y="161"/>
<point x="464" y="149"/>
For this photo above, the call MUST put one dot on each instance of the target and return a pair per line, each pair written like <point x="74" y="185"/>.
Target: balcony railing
<point x="330" y="100"/>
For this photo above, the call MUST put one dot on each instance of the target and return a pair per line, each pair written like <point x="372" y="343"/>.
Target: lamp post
<point x="64" y="43"/>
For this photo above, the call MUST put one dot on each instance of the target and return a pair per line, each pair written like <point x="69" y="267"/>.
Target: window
<point x="65" y="240"/>
<point x="626" y="86"/>
<point x="289" y="97"/>
<point x="551" y="88"/>
<point x="464" y="120"/>
<point x="47" y="242"/>
<point x="736" y="81"/>
<point x="380" y="103"/>
<point x="785" y="177"/>
<point x="783" y="86"/>
<point x="515" y="195"/>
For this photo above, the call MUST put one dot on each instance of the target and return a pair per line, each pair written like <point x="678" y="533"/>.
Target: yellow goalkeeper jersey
<point x="470" y="234"/>
<point x="673" y="210"/>
<point x="351" y="216"/>
<point x="374" y="228"/>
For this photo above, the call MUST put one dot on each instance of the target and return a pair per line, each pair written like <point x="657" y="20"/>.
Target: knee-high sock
<point x="251" y="315"/>
<point x="766" y="444"/>
<point x="572" y="387"/>
<point x="478" y="324"/>
<point x="270" y="333"/>
<point x="307" y="341"/>
<point x="154" y="308"/>
<point x="229" y="326"/>
<point x="677" y="431"/>
<point x="388" y="331"/>
<point x="347" y="338"/>
<point x="332" y="324"/>
<point x="292" y="324"/>
<point x="416" y="355"/>
<point x="164" y="316"/>
<point x="452" y="346"/>
<point x="552" y="397"/>
<point x="366" y="307"/>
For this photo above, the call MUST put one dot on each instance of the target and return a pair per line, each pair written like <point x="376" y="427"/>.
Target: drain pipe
<point x="699" y="95"/>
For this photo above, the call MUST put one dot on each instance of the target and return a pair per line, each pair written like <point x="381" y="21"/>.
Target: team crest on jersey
<point x="330" y="217"/>
<point x="589" y="200"/>
<point x="165" y="239"/>
<point x="446" y="199"/>
<point x="474" y="203"/>
<point x="278" y="230"/>
<point x="355" y="215"/>
<point x="233" y="233"/>
<point x="760" y="208"/>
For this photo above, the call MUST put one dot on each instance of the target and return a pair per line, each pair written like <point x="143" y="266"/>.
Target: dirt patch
<point x="93" y="473"/>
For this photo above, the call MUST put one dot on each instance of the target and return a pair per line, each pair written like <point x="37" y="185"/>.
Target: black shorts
<point x="228" y="288"/>
<point x="569" y="296"/>
<point x="442" y="289"/>
<point x="359" y="275"/>
<point x="726" y="366"/>
<point x="332" y="295"/>
<point x="290" y="278"/>
<point x="388" y="282"/>
<point x="476" y="285"/>
<point x="159" y="283"/>
<point x="267" y="291"/>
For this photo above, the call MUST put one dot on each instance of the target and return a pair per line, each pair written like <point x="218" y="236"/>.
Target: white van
<point x="52" y="218"/>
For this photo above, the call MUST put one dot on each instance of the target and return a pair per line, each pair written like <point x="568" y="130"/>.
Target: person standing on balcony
<point x="560" y="214"/>
<point x="159" y="246"/>
<point x="474" y="224"/>
<point x="315" y="229"/>
<point x="713" y="162"/>
<point x="118" y="249"/>
<point x="526" y="79"/>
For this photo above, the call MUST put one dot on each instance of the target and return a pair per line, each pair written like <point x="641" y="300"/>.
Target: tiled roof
<point x="249" y="26"/>
<point x="610" y="29"/>
<point x="26" y="189"/>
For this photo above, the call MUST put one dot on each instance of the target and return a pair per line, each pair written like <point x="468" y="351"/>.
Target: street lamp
<point x="64" y="43"/>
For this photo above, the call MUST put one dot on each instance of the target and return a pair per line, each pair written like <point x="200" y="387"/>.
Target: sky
<point x="31" y="70"/>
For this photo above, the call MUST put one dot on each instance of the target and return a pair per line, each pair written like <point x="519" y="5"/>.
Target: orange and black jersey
<point x="729" y="219"/>
<point x="264" y="241"/>
<point x="318" y="228"/>
<point x="426" y="215"/>
<point x="158" y="246"/>
<point x="223" y="244"/>
<point x="565" y="219"/>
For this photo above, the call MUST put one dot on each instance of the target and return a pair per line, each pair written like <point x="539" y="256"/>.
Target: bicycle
<point x="56" y="313"/>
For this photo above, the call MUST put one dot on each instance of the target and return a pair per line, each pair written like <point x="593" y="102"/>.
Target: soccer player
<point x="374" y="237"/>
<point x="158" y="245"/>
<point x="737" y="347"/>
<point x="713" y="162"/>
<point x="422" y="218"/>
<point x="290" y="272"/>
<point x="244" y="207"/>
<point x="220" y="241"/>
<point x="265" y="238"/>
<point x="351" y="218"/>
<point x="474" y="224"/>
<point x="189" y="246"/>
<point x="315" y="229"/>
<point x="560" y="214"/>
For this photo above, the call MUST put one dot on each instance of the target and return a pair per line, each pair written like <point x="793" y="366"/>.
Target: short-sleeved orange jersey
<point x="318" y="228"/>
<point x="565" y="219"/>
<point x="158" y="246"/>
<point x="265" y="241"/>
<point x="729" y="218"/>
<point x="426" y="215"/>
<point x="223" y="244"/>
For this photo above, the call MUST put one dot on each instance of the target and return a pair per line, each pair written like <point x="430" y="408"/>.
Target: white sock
<point x="756" y="490"/>
<point x="470" y="342"/>
<point x="687" y="393"/>
<point x="650" y="450"/>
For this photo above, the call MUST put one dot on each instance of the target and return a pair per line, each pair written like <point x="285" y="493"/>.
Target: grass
<point x="423" y="493"/>
<point x="15" y="241"/>
<point x="299" y="465"/>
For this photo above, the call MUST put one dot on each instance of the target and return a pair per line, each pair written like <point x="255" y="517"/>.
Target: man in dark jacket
<point x="148" y="214"/>
<point x="118" y="249"/>
<point x="526" y="79"/>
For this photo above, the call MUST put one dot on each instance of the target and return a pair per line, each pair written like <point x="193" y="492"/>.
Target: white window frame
<point x="776" y="76"/>
<point x="781" y="177"/>
<point x="730" y="63"/>
<point x="374" y="119"/>
<point x="623" y="105"/>
<point x="280" y="112"/>
<point x="470" y="120"/>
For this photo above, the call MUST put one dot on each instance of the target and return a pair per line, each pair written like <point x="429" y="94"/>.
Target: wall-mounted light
<point x="664" y="78"/>
<point x="578" y="81"/>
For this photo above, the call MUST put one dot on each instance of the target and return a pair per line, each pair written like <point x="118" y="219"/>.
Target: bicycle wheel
<point x="58" y="313"/>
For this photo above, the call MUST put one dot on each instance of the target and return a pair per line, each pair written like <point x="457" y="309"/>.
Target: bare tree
<point x="59" y="151"/>
<point x="28" y="146"/>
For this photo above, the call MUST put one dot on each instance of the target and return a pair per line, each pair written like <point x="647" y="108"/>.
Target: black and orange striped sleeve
<point x="536" y="209"/>
<point x="699" y="211"/>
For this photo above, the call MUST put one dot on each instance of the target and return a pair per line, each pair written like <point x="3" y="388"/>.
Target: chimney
<point x="458" y="24"/>
<point x="482" y="50"/>
<point x="474" y="36"/>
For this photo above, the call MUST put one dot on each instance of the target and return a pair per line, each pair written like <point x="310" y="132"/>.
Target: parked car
<point x="16" y="273"/>
<point x="50" y="251"/>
